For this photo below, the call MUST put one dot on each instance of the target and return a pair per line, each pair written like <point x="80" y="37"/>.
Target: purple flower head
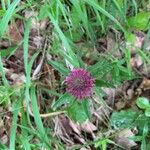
<point x="79" y="83"/>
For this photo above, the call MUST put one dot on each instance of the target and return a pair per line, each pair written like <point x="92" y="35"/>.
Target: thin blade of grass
<point x="24" y="133"/>
<point x="104" y="12"/>
<point x="8" y="3"/>
<point x="64" y="12"/>
<point x="5" y="82"/>
<point x="37" y="118"/>
<point x="3" y="4"/>
<point x="7" y="52"/>
<point x="25" y="57"/>
<point x="135" y="6"/>
<point x="73" y="60"/>
<point x="5" y="20"/>
<point x="16" y="104"/>
<point x="121" y="13"/>
<point x="80" y="8"/>
<point x="58" y="66"/>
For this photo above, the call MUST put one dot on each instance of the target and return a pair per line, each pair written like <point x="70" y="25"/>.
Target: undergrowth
<point x="72" y="39"/>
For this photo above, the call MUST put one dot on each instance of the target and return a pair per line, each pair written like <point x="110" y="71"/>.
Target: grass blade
<point x="73" y="60"/>
<point x="5" y="82"/>
<point x="104" y="12"/>
<point x="5" y="20"/>
<point x="16" y="106"/>
<point x="37" y="118"/>
<point x="58" y="66"/>
<point x="25" y="57"/>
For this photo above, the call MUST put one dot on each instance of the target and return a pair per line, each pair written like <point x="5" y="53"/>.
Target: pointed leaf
<point x="78" y="112"/>
<point x="64" y="99"/>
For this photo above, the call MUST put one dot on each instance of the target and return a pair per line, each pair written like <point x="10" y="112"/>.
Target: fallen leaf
<point x="123" y="140"/>
<point x="136" y="61"/>
<point x="88" y="127"/>
<point x="119" y="105"/>
<point x="15" y="30"/>
<point x="76" y="127"/>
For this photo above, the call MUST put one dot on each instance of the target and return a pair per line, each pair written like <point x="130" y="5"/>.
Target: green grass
<point x="7" y="16"/>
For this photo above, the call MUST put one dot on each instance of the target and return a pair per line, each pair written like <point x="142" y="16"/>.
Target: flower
<point x="79" y="83"/>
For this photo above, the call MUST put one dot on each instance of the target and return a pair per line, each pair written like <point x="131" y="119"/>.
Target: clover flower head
<point x="79" y="83"/>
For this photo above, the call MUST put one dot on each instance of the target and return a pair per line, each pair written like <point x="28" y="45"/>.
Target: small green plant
<point x="131" y="118"/>
<point x="102" y="143"/>
<point x="143" y="122"/>
<point x="123" y="119"/>
<point x="144" y="104"/>
<point x="140" y="21"/>
<point x="80" y="85"/>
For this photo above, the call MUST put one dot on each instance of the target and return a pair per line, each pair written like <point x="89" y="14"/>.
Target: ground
<point x="75" y="74"/>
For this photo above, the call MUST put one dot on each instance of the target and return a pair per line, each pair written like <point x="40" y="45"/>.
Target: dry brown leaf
<point x="83" y="148"/>
<point x="136" y="61"/>
<point x="88" y="127"/>
<point x="138" y="42"/>
<point x="38" y="41"/>
<point x="101" y="113"/>
<point x="18" y="79"/>
<point x="65" y="131"/>
<point x="38" y="68"/>
<point x="76" y="127"/>
<point x="15" y="31"/>
<point x="110" y="95"/>
<point x="146" y="83"/>
<point x="43" y="24"/>
<point x="123" y="140"/>
<point x="4" y="139"/>
<point x="119" y="105"/>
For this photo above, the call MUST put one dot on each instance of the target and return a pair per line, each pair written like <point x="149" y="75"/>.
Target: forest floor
<point x="75" y="75"/>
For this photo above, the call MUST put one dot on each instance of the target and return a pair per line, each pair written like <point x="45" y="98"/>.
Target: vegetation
<point x="75" y="74"/>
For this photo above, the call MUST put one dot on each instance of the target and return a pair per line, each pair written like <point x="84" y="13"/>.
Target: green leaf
<point x="75" y="20"/>
<point x="102" y="143"/>
<point x="64" y="99"/>
<point x="147" y="112"/>
<point x="142" y="102"/>
<point x="38" y="121"/>
<point x="81" y="10"/>
<point x="103" y="83"/>
<point x="5" y="94"/>
<point x="123" y="119"/>
<point x="141" y="21"/>
<point x="43" y="12"/>
<point x="130" y="37"/>
<point x="79" y="111"/>
<point x="2" y="12"/>
<point x="69" y="55"/>
<point x="24" y="137"/>
<point x="100" y="69"/>
<point x="141" y="121"/>
<point x="105" y="13"/>
<point x="145" y="133"/>
<point x="59" y="67"/>
<point x="136" y="138"/>
<point x="75" y="35"/>
<point x="7" y="16"/>
<point x="13" y="130"/>
<point x="3" y="147"/>
<point x="2" y="72"/>
<point x="8" y="51"/>
<point x="145" y="129"/>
